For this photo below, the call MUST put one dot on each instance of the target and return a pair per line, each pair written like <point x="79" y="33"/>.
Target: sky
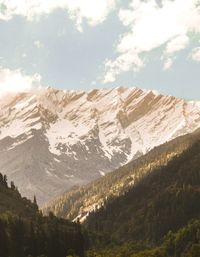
<point x="86" y="44"/>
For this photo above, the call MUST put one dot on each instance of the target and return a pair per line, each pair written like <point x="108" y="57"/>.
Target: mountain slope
<point x="80" y="201"/>
<point x="25" y="232"/>
<point x="51" y="140"/>
<point x="12" y="202"/>
<point x="166" y="199"/>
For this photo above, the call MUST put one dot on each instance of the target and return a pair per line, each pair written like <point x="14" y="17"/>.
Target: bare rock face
<point x="51" y="140"/>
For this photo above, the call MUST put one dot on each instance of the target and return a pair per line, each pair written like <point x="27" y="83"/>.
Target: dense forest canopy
<point x="25" y="232"/>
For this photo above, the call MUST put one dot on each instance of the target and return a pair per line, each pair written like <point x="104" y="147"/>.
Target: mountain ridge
<point x="61" y="139"/>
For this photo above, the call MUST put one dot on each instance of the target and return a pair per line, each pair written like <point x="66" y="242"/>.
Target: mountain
<point x="164" y="200"/>
<point x="52" y="140"/>
<point x="80" y="201"/>
<point x="24" y="231"/>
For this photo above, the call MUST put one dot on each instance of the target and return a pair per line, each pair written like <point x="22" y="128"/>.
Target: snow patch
<point x="57" y="160"/>
<point x="18" y="127"/>
<point x="69" y="176"/>
<point x="102" y="173"/>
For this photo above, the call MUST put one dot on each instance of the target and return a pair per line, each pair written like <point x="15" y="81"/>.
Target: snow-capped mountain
<point x="51" y="140"/>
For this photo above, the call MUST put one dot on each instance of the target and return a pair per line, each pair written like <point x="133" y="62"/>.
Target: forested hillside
<point x="184" y="243"/>
<point x="82" y="200"/>
<point x="165" y="199"/>
<point x="24" y="232"/>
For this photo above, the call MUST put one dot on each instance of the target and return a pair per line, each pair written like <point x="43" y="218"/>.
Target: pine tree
<point x="33" y="241"/>
<point x="12" y="185"/>
<point x="35" y="202"/>
<point x="5" y="180"/>
<point x="3" y="241"/>
<point x="1" y="178"/>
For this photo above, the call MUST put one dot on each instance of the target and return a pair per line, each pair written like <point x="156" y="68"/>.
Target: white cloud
<point x="173" y="46"/>
<point x="12" y="81"/>
<point x="123" y="63"/>
<point x="168" y="63"/>
<point x="94" y="11"/>
<point x="38" y="44"/>
<point x="195" y="55"/>
<point x="177" y="44"/>
<point x="153" y="26"/>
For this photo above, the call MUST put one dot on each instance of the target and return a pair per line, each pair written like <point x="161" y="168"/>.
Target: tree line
<point x="25" y="232"/>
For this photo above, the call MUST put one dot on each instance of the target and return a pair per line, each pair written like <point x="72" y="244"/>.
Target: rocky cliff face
<point x="51" y="140"/>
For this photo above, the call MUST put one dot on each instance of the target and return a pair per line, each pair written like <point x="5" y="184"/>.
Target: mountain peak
<point x="68" y="138"/>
